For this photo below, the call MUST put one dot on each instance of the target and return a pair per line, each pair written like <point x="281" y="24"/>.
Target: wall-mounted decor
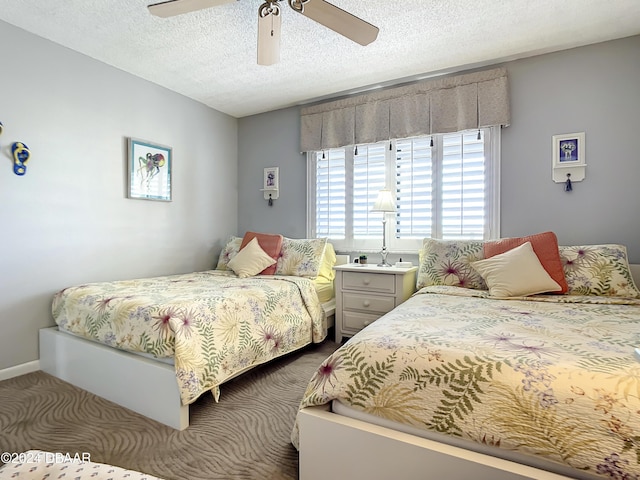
<point x="569" y="157"/>
<point x="21" y="156"/>
<point x="149" y="170"/>
<point x="270" y="184"/>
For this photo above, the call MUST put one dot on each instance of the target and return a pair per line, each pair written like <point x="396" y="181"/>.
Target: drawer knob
<point x="366" y="281"/>
<point x="366" y="323"/>
<point x="366" y="303"/>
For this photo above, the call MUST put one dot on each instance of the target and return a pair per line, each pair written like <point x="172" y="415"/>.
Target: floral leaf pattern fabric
<point x="229" y="251"/>
<point x="212" y="323"/>
<point x="448" y="262"/>
<point x="598" y="270"/>
<point x="301" y="257"/>
<point x="552" y="376"/>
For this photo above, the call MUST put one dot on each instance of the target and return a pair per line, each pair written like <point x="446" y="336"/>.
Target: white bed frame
<point x="336" y="446"/>
<point x="141" y="384"/>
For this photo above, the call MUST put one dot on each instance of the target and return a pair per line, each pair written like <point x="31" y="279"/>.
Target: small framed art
<point x="270" y="184"/>
<point x="271" y="178"/>
<point x="568" y="150"/>
<point x="149" y="170"/>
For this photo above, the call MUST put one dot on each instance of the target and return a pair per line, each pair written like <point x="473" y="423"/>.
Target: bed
<point x="154" y="345"/>
<point x="459" y="383"/>
<point x="39" y="464"/>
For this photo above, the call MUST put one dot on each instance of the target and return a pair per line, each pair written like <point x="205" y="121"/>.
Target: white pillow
<point x="251" y="260"/>
<point x="517" y="272"/>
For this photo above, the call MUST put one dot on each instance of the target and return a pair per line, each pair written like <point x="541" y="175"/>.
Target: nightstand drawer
<point x="378" y="282"/>
<point x="367" y="303"/>
<point x="356" y="321"/>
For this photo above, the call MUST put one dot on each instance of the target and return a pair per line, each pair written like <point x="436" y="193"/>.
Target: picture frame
<point x="271" y="178"/>
<point x="569" y="150"/>
<point x="149" y="170"/>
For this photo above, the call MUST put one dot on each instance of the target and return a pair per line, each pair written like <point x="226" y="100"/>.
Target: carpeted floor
<point x="244" y="436"/>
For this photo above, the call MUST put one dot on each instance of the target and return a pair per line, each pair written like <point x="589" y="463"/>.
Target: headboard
<point x="344" y="259"/>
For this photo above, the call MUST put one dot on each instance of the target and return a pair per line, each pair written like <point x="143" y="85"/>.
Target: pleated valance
<point x="443" y="105"/>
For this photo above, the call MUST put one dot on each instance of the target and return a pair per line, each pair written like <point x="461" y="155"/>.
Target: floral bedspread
<point x="214" y="324"/>
<point x="553" y="375"/>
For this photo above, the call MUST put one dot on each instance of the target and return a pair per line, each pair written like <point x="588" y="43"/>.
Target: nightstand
<point x="366" y="292"/>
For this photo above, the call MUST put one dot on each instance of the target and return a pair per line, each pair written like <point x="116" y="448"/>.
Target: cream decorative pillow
<point x="251" y="260"/>
<point x="517" y="272"/>
<point x="229" y="251"/>
<point x="598" y="270"/>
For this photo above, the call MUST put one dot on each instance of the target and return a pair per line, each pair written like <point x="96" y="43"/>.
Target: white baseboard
<point x="18" y="370"/>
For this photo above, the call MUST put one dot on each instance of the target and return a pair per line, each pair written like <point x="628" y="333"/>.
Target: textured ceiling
<point x="210" y="55"/>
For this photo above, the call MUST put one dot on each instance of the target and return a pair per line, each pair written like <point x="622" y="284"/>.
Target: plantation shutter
<point x="331" y="194"/>
<point x="414" y="188"/>
<point x="369" y="168"/>
<point x="463" y="187"/>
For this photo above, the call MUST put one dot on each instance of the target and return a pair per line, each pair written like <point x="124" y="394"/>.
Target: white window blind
<point x="369" y="177"/>
<point x="447" y="190"/>
<point x="330" y="194"/>
<point x="463" y="187"/>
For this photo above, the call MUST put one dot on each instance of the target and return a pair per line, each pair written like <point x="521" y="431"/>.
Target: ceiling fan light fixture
<point x="269" y="28"/>
<point x="172" y="8"/>
<point x="336" y="19"/>
<point x="269" y="21"/>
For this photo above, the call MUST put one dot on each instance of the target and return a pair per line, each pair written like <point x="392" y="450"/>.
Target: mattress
<point x="522" y="376"/>
<point x="212" y="323"/>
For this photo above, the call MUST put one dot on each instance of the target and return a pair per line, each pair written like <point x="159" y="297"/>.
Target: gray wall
<point x="68" y="221"/>
<point x="591" y="89"/>
<point x="272" y="140"/>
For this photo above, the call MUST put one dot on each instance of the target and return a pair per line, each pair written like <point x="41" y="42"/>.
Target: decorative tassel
<point x="567" y="185"/>
<point x="356" y="150"/>
<point x="270" y="201"/>
<point x="390" y="146"/>
<point x="323" y="157"/>
<point x="479" y="137"/>
<point x="431" y="143"/>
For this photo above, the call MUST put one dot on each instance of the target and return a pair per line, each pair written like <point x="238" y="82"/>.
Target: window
<point x="448" y="190"/>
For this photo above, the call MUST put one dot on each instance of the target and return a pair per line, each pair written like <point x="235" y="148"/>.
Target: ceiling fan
<point x="269" y="21"/>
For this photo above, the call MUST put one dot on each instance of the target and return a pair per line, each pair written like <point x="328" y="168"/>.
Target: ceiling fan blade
<point x="339" y="21"/>
<point x="171" y="8"/>
<point x="269" y="37"/>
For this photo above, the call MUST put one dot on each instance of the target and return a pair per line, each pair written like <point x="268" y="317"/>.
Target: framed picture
<point x="149" y="170"/>
<point x="270" y="178"/>
<point x="568" y="150"/>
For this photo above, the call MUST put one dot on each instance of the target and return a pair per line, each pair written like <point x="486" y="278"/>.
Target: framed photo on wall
<point x="568" y="150"/>
<point x="271" y="178"/>
<point x="149" y="167"/>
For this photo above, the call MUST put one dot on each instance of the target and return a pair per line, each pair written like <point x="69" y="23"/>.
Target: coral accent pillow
<point x="270" y="243"/>
<point x="545" y="245"/>
<point x="250" y="260"/>
<point x="517" y="272"/>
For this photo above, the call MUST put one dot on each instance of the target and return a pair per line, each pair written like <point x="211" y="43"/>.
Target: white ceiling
<point x="210" y="55"/>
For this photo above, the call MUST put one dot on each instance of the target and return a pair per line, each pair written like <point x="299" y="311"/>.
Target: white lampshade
<point x="385" y="202"/>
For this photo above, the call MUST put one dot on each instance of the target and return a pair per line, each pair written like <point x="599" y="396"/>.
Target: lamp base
<point x="384" y="253"/>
